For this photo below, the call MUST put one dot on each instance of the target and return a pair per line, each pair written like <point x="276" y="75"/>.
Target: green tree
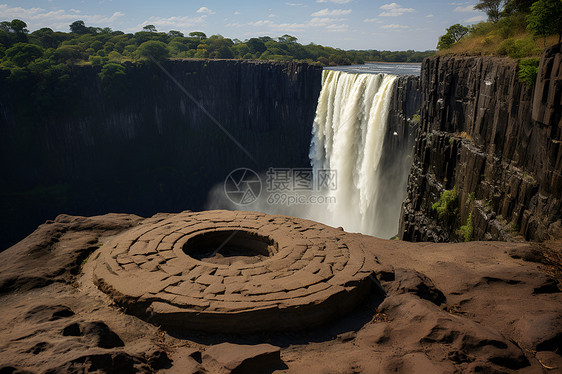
<point x="523" y="6"/>
<point x="256" y="45"/>
<point x="149" y="28"/>
<point x="46" y="38"/>
<point x="96" y="60"/>
<point x="453" y="35"/>
<point x="546" y="18"/>
<point x="198" y="34"/>
<point x="287" y="39"/>
<point x="177" y="47"/>
<point x="493" y="8"/>
<point x="5" y="26"/>
<point x="114" y="80"/>
<point x="78" y="27"/>
<point x="175" y="34"/>
<point x="241" y="50"/>
<point x="18" y="26"/>
<point x="528" y="70"/>
<point x="68" y="54"/>
<point x="201" y="51"/>
<point x="22" y="54"/>
<point x="153" y="49"/>
<point x="15" y="31"/>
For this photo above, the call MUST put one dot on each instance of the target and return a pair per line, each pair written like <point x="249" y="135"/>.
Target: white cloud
<point x="323" y="21"/>
<point x="55" y="19"/>
<point x="236" y="13"/>
<point x="337" y="28"/>
<point x="328" y="24"/>
<point x="394" y="10"/>
<point x="295" y="4"/>
<point x="429" y="16"/>
<point x="475" y="19"/>
<point x="468" y="8"/>
<point x="335" y="1"/>
<point x="272" y="15"/>
<point x="327" y="13"/>
<point x="394" y="26"/>
<point x="390" y="6"/>
<point x="372" y="20"/>
<point x="205" y="10"/>
<point x="171" y="22"/>
<point x="282" y="27"/>
<point x="289" y="27"/>
<point x="261" y="23"/>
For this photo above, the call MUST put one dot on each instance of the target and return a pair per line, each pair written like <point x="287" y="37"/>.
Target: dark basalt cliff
<point x="139" y="144"/>
<point x="399" y="138"/>
<point x="494" y="140"/>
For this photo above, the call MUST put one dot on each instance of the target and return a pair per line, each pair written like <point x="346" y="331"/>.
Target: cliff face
<point x="139" y="144"/>
<point x="492" y="139"/>
<point x="399" y="138"/>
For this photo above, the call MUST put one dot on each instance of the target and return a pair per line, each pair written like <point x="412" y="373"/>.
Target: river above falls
<point x="381" y="67"/>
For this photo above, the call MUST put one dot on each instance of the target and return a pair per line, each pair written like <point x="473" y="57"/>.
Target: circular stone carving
<point x="229" y="246"/>
<point x="234" y="272"/>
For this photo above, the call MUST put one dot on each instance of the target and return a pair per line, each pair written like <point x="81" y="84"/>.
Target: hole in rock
<point x="226" y="247"/>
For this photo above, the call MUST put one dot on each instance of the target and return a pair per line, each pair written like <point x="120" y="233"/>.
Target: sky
<point x="345" y="24"/>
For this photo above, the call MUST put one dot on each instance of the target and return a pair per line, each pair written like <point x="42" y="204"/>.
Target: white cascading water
<point x="348" y="137"/>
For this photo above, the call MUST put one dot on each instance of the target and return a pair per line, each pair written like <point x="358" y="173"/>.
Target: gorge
<point x="362" y="136"/>
<point x="151" y="149"/>
<point x="148" y="149"/>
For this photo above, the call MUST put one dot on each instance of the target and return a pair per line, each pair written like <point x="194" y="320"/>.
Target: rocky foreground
<point x="431" y="308"/>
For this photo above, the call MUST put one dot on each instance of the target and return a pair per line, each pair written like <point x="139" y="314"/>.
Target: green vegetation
<point x="448" y="213"/>
<point x="545" y="18"/>
<point x="154" y="49"/>
<point x="447" y="206"/>
<point x="515" y="28"/>
<point x="465" y="232"/>
<point x="39" y="68"/>
<point x="528" y="70"/>
<point x="514" y="228"/>
<point x="493" y="8"/>
<point x="45" y="49"/>
<point x="453" y="35"/>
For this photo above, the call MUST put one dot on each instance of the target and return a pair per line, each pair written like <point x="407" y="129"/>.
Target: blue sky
<point x="346" y="24"/>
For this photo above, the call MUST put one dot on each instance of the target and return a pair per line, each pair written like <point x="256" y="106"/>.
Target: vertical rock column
<point x="483" y="134"/>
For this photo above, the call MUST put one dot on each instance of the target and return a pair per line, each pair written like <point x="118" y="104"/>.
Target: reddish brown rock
<point x="490" y="318"/>
<point x="55" y="251"/>
<point x="242" y="359"/>
<point x="273" y="278"/>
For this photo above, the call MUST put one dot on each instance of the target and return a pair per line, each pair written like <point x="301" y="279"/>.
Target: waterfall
<point x="348" y="136"/>
<point x="351" y="140"/>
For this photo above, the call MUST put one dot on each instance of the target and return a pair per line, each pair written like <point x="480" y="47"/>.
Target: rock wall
<point x="493" y="140"/>
<point x="139" y="144"/>
<point x="396" y="160"/>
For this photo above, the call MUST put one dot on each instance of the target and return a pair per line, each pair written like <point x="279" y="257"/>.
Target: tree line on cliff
<point x="515" y="28"/>
<point x="519" y="29"/>
<point x="19" y="48"/>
